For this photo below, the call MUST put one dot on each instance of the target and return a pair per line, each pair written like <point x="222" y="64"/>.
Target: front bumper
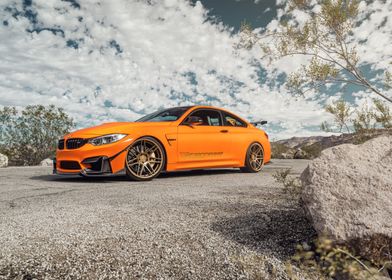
<point x="90" y="160"/>
<point x="98" y="166"/>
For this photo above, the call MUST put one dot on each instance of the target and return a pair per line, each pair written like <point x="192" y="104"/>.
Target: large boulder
<point x="46" y="162"/>
<point x="3" y="160"/>
<point x="348" y="191"/>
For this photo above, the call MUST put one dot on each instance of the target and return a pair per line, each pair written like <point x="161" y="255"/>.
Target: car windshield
<point x="166" y="115"/>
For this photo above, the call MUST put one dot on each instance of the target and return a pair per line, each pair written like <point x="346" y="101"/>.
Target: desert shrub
<point x="362" y="120"/>
<point x="291" y="184"/>
<point x="382" y="114"/>
<point x="376" y="248"/>
<point x="341" y="111"/>
<point x="337" y="261"/>
<point x="29" y="136"/>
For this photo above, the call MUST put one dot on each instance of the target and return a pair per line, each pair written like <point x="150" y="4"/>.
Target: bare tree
<point x="327" y="39"/>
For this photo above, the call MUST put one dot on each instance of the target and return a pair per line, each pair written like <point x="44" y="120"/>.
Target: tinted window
<point x="231" y="120"/>
<point x="209" y="117"/>
<point x="166" y="115"/>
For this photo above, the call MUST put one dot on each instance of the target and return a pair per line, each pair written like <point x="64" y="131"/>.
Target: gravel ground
<point x="217" y="224"/>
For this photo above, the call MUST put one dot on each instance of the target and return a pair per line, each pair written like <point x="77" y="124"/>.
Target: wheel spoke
<point x="151" y="150"/>
<point x="132" y="152"/>
<point x="133" y="164"/>
<point x="149" y="168"/>
<point x="132" y="160"/>
<point x="140" y="173"/>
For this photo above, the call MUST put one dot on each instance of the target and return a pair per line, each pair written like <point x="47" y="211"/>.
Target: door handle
<point x="224" y="131"/>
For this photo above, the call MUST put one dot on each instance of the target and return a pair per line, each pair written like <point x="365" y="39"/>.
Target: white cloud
<point x="133" y="58"/>
<point x="375" y="31"/>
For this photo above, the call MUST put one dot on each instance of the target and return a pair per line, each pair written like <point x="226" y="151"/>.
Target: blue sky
<point x="233" y="12"/>
<point x="117" y="60"/>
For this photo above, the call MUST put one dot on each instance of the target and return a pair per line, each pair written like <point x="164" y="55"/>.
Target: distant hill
<point x="311" y="147"/>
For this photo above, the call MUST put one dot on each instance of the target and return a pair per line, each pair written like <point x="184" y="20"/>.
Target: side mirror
<point x="193" y="121"/>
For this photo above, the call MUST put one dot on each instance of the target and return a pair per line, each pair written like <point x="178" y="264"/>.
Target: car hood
<point x="114" y="127"/>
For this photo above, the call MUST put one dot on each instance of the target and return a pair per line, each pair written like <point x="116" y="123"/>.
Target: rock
<point x="300" y="154"/>
<point x="286" y="156"/>
<point x="348" y="190"/>
<point x="3" y="160"/>
<point x="46" y="162"/>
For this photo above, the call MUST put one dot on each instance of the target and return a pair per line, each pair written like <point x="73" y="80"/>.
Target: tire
<point x="254" y="160"/>
<point x="145" y="159"/>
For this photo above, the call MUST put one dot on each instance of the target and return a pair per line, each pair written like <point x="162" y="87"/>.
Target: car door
<point x="238" y="136"/>
<point x="206" y="142"/>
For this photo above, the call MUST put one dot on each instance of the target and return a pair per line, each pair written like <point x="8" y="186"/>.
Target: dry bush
<point x="291" y="184"/>
<point x="337" y="261"/>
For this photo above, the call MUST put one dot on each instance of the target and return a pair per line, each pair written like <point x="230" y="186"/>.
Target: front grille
<point x="60" y="144"/>
<point x="75" y="143"/>
<point x="70" y="164"/>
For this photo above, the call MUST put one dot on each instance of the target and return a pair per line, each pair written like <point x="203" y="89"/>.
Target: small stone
<point x="3" y="160"/>
<point x="46" y="162"/>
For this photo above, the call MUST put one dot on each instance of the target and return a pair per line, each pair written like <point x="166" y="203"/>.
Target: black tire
<point x="146" y="158"/>
<point x="254" y="162"/>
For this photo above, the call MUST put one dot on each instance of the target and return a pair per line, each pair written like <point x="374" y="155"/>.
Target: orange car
<point x="179" y="138"/>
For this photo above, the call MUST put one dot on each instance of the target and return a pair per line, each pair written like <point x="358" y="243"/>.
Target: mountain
<point x="311" y="147"/>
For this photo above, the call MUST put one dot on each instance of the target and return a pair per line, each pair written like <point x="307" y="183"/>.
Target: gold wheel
<point x="145" y="159"/>
<point x="256" y="157"/>
<point x="254" y="160"/>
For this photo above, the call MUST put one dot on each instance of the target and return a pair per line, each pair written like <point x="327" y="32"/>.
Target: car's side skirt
<point x="203" y="164"/>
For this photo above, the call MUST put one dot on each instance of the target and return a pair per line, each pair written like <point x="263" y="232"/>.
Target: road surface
<point x="217" y="224"/>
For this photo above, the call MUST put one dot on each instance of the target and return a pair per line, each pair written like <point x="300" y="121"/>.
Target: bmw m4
<point x="181" y="138"/>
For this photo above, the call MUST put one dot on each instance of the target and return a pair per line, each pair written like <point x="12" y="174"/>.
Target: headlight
<point x="106" y="139"/>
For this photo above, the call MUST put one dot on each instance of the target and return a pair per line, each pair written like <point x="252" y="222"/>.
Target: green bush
<point x="31" y="135"/>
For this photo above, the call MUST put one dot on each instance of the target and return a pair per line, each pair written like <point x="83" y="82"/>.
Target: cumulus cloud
<point x="116" y="60"/>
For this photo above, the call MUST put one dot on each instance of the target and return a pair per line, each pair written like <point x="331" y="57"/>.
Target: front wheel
<point x="254" y="160"/>
<point x="145" y="159"/>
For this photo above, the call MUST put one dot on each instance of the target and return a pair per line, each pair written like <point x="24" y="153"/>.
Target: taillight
<point x="266" y="135"/>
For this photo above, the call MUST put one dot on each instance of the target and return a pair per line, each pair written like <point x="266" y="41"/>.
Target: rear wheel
<point x="254" y="160"/>
<point x="145" y="159"/>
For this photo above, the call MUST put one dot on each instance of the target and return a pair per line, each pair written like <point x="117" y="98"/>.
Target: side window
<point x="231" y="120"/>
<point x="208" y="117"/>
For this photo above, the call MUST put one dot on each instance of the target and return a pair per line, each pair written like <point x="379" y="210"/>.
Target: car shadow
<point x="119" y="178"/>
<point x="198" y="172"/>
<point x="275" y="232"/>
